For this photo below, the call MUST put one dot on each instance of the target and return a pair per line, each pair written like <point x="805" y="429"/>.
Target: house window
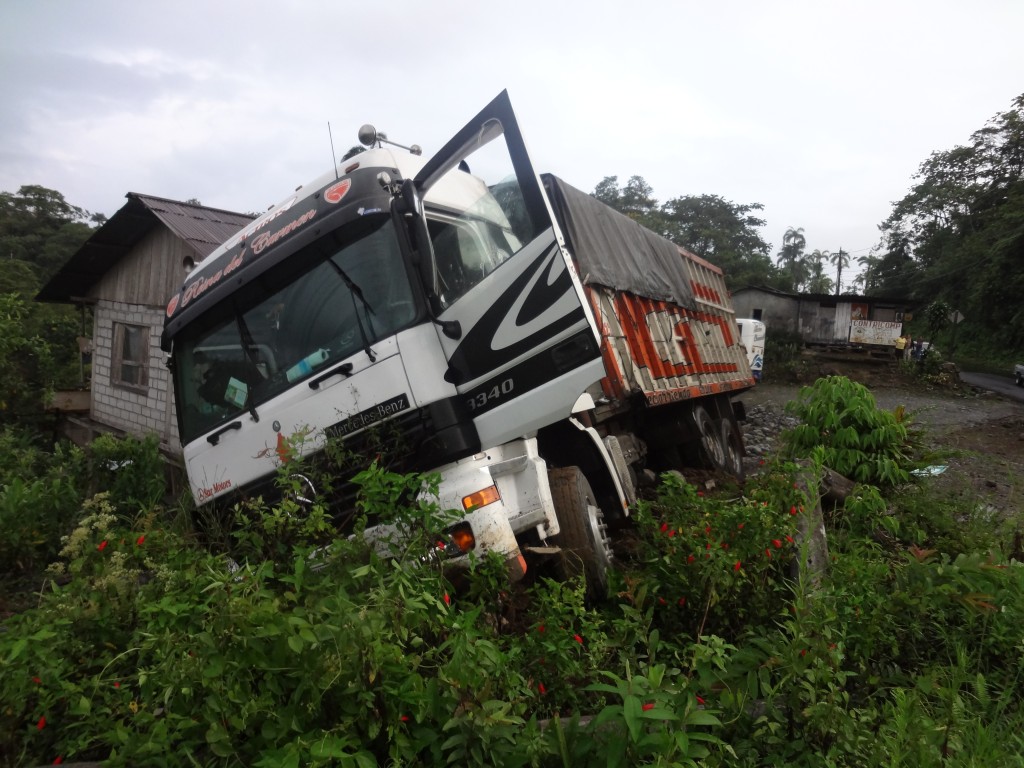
<point x="757" y="314"/>
<point x="130" y="366"/>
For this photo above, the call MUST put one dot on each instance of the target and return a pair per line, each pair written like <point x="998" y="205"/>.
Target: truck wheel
<point x="733" y="450"/>
<point x="586" y="549"/>
<point x="1020" y="380"/>
<point x="712" y="447"/>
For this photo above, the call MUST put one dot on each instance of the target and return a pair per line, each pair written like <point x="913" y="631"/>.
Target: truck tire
<point x="733" y="450"/>
<point x="583" y="537"/>
<point x="712" y="448"/>
<point x="1020" y="380"/>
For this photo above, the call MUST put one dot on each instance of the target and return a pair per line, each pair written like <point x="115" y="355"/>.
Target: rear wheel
<point x="583" y="537"/>
<point x="733" y="449"/>
<point x="711" y="444"/>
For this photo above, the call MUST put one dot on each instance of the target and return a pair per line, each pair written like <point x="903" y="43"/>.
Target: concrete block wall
<point x="135" y="412"/>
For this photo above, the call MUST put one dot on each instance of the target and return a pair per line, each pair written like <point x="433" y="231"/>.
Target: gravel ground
<point x="980" y="435"/>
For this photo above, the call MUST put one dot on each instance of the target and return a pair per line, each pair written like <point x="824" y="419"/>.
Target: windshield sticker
<point x="370" y="416"/>
<point x="335" y="192"/>
<point x="236" y="393"/>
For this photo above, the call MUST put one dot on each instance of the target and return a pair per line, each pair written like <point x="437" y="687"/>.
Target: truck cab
<point x="395" y="291"/>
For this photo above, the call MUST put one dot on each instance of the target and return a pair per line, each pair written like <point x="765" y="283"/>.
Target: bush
<point x="146" y="649"/>
<point x="844" y="429"/>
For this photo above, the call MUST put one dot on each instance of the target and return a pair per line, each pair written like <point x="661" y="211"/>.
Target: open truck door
<point x="518" y="336"/>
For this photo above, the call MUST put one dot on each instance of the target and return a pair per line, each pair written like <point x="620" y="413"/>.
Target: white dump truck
<point x="544" y="354"/>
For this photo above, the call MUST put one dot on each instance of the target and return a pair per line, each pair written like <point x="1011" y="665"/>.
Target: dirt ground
<point x="984" y="432"/>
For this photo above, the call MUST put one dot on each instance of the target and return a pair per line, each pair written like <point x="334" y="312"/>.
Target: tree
<point x="840" y="260"/>
<point x="790" y="257"/>
<point x="868" y="277"/>
<point x="634" y="200"/>
<point x="958" y="234"/>
<point x="814" y="266"/>
<point x="719" y="230"/>
<point x="39" y="232"/>
<point x="726" y="234"/>
<point x="38" y="226"/>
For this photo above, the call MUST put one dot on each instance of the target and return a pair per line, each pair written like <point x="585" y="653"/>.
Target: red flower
<point x="541" y="688"/>
<point x="777" y="543"/>
<point x="37" y="681"/>
<point x="117" y="684"/>
<point x="672" y="533"/>
<point x="690" y="559"/>
<point x="540" y="628"/>
<point x="664" y="527"/>
<point x="447" y="599"/>
<point x="682" y="601"/>
<point x="725" y="545"/>
<point x="792" y="510"/>
<point x="700" y="493"/>
<point x="404" y="718"/>
<point x="102" y="545"/>
<point x="662" y="601"/>
<point x="789" y="538"/>
<point x="648" y="706"/>
<point x="58" y="760"/>
<point x="42" y="723"/>
<point x="708" y="545"/>
<point x="803" y="652"/>
<point x="740" y="526"/>
<point x="707" y="529"/>
<point x="700" y="700"/>
<point x="578" y="639"/>
<point x="768" y="553"/>
<point x="737" y="566"/>
<point x="139" y="541"/>
<point x="760" y="463"/>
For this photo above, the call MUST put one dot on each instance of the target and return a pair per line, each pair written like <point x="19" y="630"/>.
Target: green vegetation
<point x="714" y="647"/>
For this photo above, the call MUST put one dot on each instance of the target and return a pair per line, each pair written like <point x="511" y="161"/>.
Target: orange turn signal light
<point x="463" y="537"/>
<point x="482" y="498"/>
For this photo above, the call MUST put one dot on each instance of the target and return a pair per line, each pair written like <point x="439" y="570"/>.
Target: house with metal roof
<point x="126" y="273"/>
<point x="821" y="319"/>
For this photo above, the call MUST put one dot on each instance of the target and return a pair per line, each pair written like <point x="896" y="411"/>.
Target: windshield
<point x="324" y="304"/>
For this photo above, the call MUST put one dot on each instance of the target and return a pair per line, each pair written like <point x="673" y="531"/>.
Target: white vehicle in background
<point x="752" y="334"/>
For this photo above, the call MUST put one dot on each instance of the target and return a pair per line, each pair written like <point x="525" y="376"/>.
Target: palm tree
<point x="868" y="277"/>
<point x="840" y="259"/>
<point x="816" y="280"/>
<point x="791" y="255"/>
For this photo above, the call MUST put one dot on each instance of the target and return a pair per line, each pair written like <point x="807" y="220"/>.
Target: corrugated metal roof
<point x="201" y="227"/>
<point x="204" y="228"/>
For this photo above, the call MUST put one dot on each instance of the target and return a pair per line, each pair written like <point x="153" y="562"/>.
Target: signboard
<point x="875" y="332"/>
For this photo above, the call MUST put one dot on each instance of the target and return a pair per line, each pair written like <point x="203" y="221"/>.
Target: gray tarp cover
<point x="614" y="251"/>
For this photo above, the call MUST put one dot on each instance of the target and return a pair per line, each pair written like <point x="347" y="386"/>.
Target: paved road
<point x="1003" y="385"/>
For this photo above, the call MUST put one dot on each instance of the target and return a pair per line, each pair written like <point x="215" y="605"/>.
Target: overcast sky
<point x="821" y="111"/>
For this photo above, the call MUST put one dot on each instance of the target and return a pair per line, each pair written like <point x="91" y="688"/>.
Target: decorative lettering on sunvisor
<point x="369" y="417"/>
<point x="260" y="243"/>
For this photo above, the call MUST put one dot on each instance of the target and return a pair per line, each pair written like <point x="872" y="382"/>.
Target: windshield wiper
<point x="357" y="292"/>
<point x="248" y="346"/>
